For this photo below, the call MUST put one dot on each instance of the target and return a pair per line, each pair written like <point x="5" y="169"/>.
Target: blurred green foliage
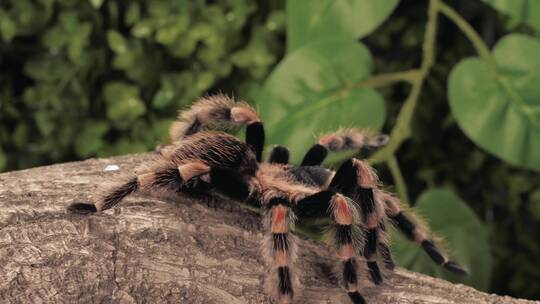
<point x="440" y="154"/>
<point x="97" y="78"/>
<point x="101" y="77"/>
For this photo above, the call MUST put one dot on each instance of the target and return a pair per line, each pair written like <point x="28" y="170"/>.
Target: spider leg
<point x="220" y="111"/>
<point x="358" y="181"/>
<point x="255" y="138"/>
<point x="417" y="232"/>
<point x="384" y="248"/>
<point x="167" y="176"/>
<point x="314" y="156"/>
<point x="279" y="155"/>
<point x="344" y="233"/>
<point x="280" y="249"/>
<point x="342" y="140"/>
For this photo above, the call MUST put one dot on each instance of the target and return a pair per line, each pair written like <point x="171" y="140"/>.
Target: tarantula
<point x="199" y="160"/>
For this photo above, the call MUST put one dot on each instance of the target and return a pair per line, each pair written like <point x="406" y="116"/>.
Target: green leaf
<point x="163" y="98"/>
<point x="499" y="108"/>
<point x="522" y="10"/>
<point x="133" y="13"/>
<point x="90" y="140"/>
<point x="314" y="20"/>
<point x="466" y="236"/>
<point x="3" y="160"/>
<point x="8" y="28"/>
<point x="534" y="204"/>
<point x="117" y="42"/>
<point x="79" y="40"/>
<point x="45" y="123"/>
<point x="96" y="3"/>
<point x="311" y="91"/>
<point x="123" y="102"/>
<point x="160" y="128"/>
<point x="142" y="29"/>
<point x="47" y="68"/>
<point x="21" y="135"/>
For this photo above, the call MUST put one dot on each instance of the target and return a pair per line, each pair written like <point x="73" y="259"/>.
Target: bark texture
<point x="150" y="250"/>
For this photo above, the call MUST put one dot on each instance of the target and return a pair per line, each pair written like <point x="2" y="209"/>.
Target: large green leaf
<point x="499" y="109"/>
<point x="523" y="10"/>
<point x="323" y="19"/>
<point x="465" y="235"/>
<point x="311" y="92"/>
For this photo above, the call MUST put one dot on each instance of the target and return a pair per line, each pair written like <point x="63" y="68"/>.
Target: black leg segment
<point x="82" y="208"/>
<point x="314" y="206"/>
<point x="411" y="231"/>
<point x="404" y="224"/>
<point x="344" y="180"/>
<point x="255" y="138"/>
<point x="285" y="284"/>
<point x="279" y="155"/>
<point x="356" y="297"/>
<point x="315" y="156"/>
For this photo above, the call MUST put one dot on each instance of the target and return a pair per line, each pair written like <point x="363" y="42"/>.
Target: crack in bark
<point x="114" y="258"/>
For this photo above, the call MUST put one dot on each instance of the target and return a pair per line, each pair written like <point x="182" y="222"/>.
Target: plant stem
<point x="399" y="180"/>
<point x="428" y="47"/>
<point x="470" y="32"/>
<point x="402" y="129"/>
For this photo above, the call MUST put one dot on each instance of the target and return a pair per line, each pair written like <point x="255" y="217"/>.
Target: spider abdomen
<point x="215" y="149"/>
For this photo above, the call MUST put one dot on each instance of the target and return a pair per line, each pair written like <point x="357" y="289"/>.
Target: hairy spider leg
<point x="279" y="155"/>
<point x="279" y="246"/>
<point x="314" y="156"/>
<point x="357" y="180"/>
<point x="255" y="138"/>
<point x="344" y="233"/>
<point x="417" y="233"/>
<point x="212" y="111"/>
<point x="342" y="140"/>
<point x="219" y="111"/>
<point x="280" y="249"/>
<point x="384" y="248"/>
<point x="167" y="176"/>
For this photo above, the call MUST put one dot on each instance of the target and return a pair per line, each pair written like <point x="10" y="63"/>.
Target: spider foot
<point x="455" y="268"/>
<point x="82" y="208"/>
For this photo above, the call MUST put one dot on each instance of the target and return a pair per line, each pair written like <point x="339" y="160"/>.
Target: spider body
<point x="200" y="160"/>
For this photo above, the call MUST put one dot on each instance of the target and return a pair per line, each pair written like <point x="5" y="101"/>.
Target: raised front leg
<point x="342" y="140"/>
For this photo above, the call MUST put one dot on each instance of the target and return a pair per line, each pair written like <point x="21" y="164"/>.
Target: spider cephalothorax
<point x="218" y="162"/>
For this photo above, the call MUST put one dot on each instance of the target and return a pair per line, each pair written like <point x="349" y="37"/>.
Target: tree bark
<point x="151" y="250"/>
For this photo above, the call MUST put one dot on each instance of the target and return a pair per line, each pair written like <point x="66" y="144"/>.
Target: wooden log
<point x="150" y="250"/>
